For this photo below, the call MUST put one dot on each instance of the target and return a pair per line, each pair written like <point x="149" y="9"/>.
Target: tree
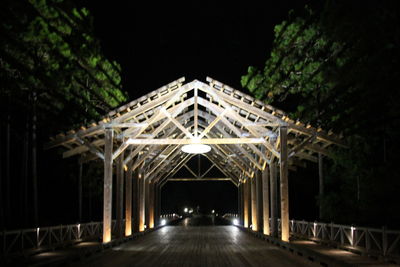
<point x="336" y="66"/>
<point x="52" y="68"/>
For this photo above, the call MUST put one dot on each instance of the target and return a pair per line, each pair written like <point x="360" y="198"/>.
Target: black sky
<point x="158" y="43"/>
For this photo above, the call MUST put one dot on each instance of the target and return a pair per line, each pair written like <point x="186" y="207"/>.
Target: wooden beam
<point x="198" y="179"/>
<point x="284" y="185"/>
<point x="300" y="146"/>
<point x="207" y="141"/>
<point x="95" y="150"/>
<point x="107" y="199"/>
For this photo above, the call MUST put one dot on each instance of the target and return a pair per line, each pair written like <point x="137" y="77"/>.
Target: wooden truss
<point x="245" y="134"/>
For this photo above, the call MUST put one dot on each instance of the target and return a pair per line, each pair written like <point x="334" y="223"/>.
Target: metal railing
<point x="34" y="240"/>
<point x="369" y="241"/>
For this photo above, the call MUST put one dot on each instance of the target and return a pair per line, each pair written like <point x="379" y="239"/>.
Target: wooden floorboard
<point x="195" y="246"/>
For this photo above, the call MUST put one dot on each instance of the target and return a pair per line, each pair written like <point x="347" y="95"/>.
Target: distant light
<point x="191" y="211"/>
<point x="196" y="148"/>
<point x="185" y="210"/>
<point x="180" y="217"/>
<point x="235" y="222"/>
<point x="251" y="226"/>
<point x="163" y="222"/>
<point x="213" y="211"/>
<point x="145" y="226"/>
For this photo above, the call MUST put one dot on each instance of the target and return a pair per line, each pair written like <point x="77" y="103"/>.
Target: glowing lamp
<point x="235" y="222"/>
<point x="163" y="222"/>
<point x="196" y="148"/>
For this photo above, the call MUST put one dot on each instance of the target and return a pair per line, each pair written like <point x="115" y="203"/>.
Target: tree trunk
<point x="34" y="163"/>
<point x="8" y="179"/>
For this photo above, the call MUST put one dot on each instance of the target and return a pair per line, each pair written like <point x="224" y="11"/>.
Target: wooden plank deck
<point x="195" y="246"/>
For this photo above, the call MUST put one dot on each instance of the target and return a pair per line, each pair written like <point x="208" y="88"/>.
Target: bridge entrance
<point x="146" y="142"/>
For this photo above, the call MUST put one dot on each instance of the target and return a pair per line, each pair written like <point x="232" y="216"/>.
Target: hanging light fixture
<point x="196" y="148"/>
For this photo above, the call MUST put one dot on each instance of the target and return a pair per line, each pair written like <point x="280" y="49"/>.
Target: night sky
<point x="159" y="43"/>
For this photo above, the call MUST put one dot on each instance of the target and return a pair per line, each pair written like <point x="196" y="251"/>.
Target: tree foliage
<point x="48" y="47"/>
<point x="337" y="66"/>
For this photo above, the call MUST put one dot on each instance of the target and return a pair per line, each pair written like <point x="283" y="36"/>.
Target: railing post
<point x="332" y="238"/>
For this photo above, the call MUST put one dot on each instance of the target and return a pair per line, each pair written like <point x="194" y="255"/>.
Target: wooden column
<point x="159" y="202"/>
<point x="321" y="183"/>
<point x="246" y="203"/>
<point x="240" y="203"/>
<point x="146" y="204"/>
<point x="128" y="200"/>
<point x="284" y="184"/>
<point x="135" y="204"/>
<point x="119" y="195"/>
<point x="151" y="205"/>
<point x="265" y="197"/>
<point x="259" y="199"/>
<point x="141" y="195"/>
<point x="155" y="204"/>
<point x="107" y="198"/>
<point x="254" y="213"/>
<point x="274" y="198"/>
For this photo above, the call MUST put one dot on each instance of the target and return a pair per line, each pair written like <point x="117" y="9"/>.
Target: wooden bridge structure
<point x="251" y="144"/>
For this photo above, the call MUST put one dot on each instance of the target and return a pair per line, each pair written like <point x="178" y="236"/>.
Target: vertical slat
<point x="265" y="193"/>
<point x="107" y="203"/>
<point x="128" y="200"/>
<point x="284" y="184"/>
<point x="274" y="199"/>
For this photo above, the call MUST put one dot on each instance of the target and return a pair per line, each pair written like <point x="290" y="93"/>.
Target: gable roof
<point x="242" y="131"/>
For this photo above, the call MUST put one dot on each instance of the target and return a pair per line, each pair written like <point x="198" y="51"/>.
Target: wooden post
<point x="135" y="206"/>
<point x="259" y="199"/>
<point x="107" y="202"/>
<point x="240" y="203"/>
<point x="146" y="203"/>
<point x="321" y="183"/>
<point x="128" y="200"/>
<point x="141" y="194"/>
<point x="274" y="199"/>
<point x="159" y="202"/>
<point x="120" y="195"/>
<point x="265" y="196"/>
<point x="151" y="205"/>
<point x="284" y="184"/>
<point x="246" y="203"/>
<point x="254" y="214"/>
<point x="156" y="205"/>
